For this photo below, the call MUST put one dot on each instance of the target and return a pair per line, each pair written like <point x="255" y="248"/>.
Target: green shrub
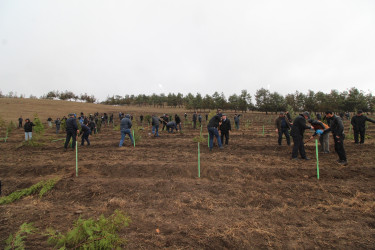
<point x="38" y="128"/>
<point x="92" y="234"/>
<point x="17" y="241"/>
<point x="42" y="186"/>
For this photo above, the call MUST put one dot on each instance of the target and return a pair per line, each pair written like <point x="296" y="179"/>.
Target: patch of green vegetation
<point x="92" y="234"/>
<point x="16" y="241"/>
<point x="42" y="187"/>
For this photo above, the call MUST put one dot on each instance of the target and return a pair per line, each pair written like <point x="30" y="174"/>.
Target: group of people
<point x="331" y="124"/>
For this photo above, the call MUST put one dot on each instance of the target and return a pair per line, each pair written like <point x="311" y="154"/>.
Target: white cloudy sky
<point x="135" y="47"/>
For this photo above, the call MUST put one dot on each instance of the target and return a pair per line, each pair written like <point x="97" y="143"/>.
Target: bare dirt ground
<point x="250" y="195"/>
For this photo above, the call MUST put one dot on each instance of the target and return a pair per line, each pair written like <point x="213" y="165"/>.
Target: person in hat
<point x="225" y="127"/>
<point x="337" y="129"/>
<point x="282" y="127"/>
<point x="359" y="126"/>
<point x="71" y="131"/>
<point x="298" y="129"/>
<point x="28" y="129"/>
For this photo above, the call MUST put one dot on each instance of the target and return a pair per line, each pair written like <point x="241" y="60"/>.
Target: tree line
<point x="264" y="100"/>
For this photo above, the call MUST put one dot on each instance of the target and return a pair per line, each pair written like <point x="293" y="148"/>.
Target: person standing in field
<point x="212" y="128"/>
<point x="195" y="120"/>
<point x="359" y="126"/>
<point x="141" y="119"/>
<point x="49" y="120"/>
<point x="125" y="126"/>
<point x="178" y="121"/>
<point x="200" y="119"/>
<point x="298" y="129"/>
<point x="155" y="125"/>
<point x="58" y="124"/>
<point x="86" y="132"/>
<point x="237" y="121"/>
<point x="71" y="131"/>
<point x="28" y="129"/>
<point x="282" y="127"/>
<point x="225" y="127"/>
<point x="337" y="129"/>
<point x="20" y="120"/>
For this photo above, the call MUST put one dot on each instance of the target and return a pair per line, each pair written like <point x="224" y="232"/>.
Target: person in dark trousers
<point x="200" y="119"/>
<point x="195" y="120"/>
<point x="185" y="115"/>
<point x="178" y="121"/>
<point x="206" y="117"/>
<point x="282" y="127"/>
<point x="298" y="129"/>
<point x="92" y="126"/>
<point x="323" y="138"/>
<point x="58" y="124"/>
<point x="71" y="131"/>
<point x="125" y="126"/>
<point x="20" y="120"/>
<point x="359" y="126"/>
<point x="155" y="125"/>
<point x="237" y="121"/>
<point x="337" y="129"/>
<point x="141" y="118"/>
<point x="212" y="127"/>
<point x="28" y="129"/>
<point x="171" y="126"/>
<point x="164" y="120"/>
<point x="225" y="127"/>
<point x="85" y="130"/>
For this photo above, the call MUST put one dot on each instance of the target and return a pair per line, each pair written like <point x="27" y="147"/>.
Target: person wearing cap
<point x="298" y="129"/>
<point x="319" y="128"/>
<point x="71" y="131"/>
<point x="337" y="129"/>
<point x="282" y="127"/>
<point x="28" y="129"/>
<point x="125" y="127"/>
<point x="212" y="128"/>
<point x="359" y="126"/>
<point x="225" y="127"/>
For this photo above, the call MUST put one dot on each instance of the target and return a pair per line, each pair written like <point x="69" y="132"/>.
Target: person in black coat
<point x="225" y="127"/>
<point x="71" y="131"/>
<point x="359" y="126"/>
<point x="20" y="122"/>
<point x="298" y="129"/>
<point x="85" y="130"/>
<point x="337" y="129"/>
<point x="28" y="129"/>
<point x="178" y="121"/>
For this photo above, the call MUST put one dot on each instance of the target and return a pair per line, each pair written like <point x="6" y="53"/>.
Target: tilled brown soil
<point x="250" y="195"/>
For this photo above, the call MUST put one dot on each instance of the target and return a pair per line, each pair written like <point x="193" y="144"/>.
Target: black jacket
<point x="71" y="125"/>
<point x="336" y="126"/>
<point x="214" y="121"/>
<point x="28" y="126"/>
<point x="177" y="119"/>
<point x="278" y="123"/>
<point x="359" y="122"/>
<point x="299" y="126"/>
<point x="225" y="125"/>
<point x="85" y="130"/>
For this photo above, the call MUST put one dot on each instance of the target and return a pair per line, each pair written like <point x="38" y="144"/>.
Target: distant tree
<point x="244" y="100"/>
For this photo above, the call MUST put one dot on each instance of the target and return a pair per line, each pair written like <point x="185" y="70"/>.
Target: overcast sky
<point x="143" y="47"/>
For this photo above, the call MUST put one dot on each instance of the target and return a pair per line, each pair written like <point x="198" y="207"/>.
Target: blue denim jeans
<point x="28" y="135"/>
<point x="213" y="132"/>
<point x="155" y="129"/>
<point x="123" y="134"/>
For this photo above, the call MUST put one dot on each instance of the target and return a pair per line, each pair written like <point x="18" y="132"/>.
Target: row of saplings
<point x="101" y="233"/>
